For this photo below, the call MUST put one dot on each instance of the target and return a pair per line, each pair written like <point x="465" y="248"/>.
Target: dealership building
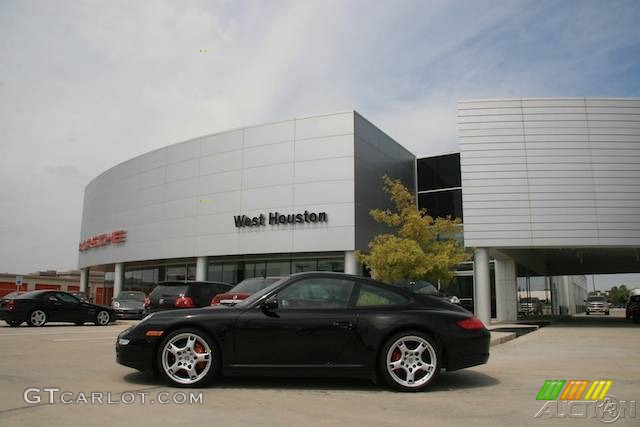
<point x="546" y="188"/>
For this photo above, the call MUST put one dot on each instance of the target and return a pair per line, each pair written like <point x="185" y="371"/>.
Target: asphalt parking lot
<point x="503" y="392"/>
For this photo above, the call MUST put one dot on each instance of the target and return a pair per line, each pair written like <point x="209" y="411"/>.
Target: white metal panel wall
<point x="179" y="201"/>
<point x="550" y="172"/>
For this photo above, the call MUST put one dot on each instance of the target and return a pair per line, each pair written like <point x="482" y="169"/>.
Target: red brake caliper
<point x="199" y="348"/>
<point x="396" y="355"/>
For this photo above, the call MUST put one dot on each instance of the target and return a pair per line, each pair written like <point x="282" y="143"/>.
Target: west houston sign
<point x="276" y="218"/>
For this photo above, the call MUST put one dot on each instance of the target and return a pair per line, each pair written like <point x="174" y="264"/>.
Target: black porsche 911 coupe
<point x="40" y="307"/>
<point x="311" y="324"/>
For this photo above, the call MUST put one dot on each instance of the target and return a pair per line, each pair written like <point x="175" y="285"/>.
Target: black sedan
<point x="311" y="324"/>
<point x="39" y="307"/>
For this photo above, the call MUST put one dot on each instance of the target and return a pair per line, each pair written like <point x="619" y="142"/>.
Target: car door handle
<point x="343" y="324"/>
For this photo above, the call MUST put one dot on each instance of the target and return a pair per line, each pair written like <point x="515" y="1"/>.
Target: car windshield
<point x="28" y="295"/>
<point x="131" y="296"/>
<point x="252" y="286"/>
<point x="168" y="290"/>
<point x="596" y="299"/>
<point x="259" y="294"/>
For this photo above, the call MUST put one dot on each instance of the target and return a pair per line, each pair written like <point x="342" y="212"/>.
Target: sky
<point x="85" y="85"/>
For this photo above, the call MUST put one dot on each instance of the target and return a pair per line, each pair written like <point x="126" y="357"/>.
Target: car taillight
<point x="471" y="323"/>
<point x="215" y="300"/>
<point x="147" y="302"/>
<point x="184" y="302"/>
<point x="10" y="305"/>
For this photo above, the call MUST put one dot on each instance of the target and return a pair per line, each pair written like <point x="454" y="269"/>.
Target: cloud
<point x="87" y="85"/>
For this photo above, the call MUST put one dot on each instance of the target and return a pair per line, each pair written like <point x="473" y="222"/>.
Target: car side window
<point x="316" y="292"/>
<point x="374" y="296"/>
<point x="52" y="298"/>
<point x="67" y="298"/>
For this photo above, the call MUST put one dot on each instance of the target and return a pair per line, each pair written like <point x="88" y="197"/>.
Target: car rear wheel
<point x="37" y="317"/>
<point x="410" y="361"/>
<point x="103" y="318"/>
<point x="13" y="323"/>
<point x="187" y="358"/>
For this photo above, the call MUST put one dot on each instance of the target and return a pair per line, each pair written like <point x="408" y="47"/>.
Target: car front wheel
<point x="37" y="317"/>
<point x="410" y="361"/>
<point x="103" y="318"/>
<point x="187" y="358"/>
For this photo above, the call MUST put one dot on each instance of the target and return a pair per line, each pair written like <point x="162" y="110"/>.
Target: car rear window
<point x="251" y="286"/>
<point x="169" y="290"/>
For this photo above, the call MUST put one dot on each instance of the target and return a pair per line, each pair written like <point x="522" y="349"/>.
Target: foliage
<point x="619" y="295"/>
<point x="420" y="248"/>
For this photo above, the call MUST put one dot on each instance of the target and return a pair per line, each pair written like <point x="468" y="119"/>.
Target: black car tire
<point x="635" y="317"/>
<point x="606" y="313"/>
<point x="14" y="323"/>
<point x="30" y="320"/>
<point x="213" y="359"/>
<point x="588" y="313"/>
<point x="100" y="318"/>
<point x="410" y="359"/>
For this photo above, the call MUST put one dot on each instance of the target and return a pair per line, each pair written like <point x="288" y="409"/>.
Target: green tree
<point x="619" y="295"/>
<point x="421" y="247"/>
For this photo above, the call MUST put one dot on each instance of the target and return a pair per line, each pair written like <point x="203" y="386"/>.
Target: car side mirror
<point x="270" y="303"/>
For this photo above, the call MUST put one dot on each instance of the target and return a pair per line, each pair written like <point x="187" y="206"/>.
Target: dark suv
<point x="633" y="308"/>
<point x="173" y="295"/>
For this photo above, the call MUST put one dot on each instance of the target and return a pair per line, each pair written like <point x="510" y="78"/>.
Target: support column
<point x="201" y="268"/>
<point x="351" y="264"/>
<point x="506" y="291"/>
<point x="118" y="279"/>
<point x="84" y="279"/>
<point x="482" y="286"/>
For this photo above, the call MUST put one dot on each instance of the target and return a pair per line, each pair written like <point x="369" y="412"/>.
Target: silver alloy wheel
<point x="38" y="318"/>
<point x="103" y="318"/>
<point x="181" y="360"/>
<point x="411" y="361"/>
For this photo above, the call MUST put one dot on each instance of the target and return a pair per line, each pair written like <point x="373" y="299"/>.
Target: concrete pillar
<point x="482" y="286"/>
<point x="506" y="290"/>
<point x="84" y="279"/>
<point x="118" y="279"/>
<point x="351" y="264"/>
<point x="201" y="268"/>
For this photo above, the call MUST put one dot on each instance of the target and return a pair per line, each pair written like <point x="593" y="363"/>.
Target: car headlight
<point x="116" y="304"/>
<point x="455" y="300"/>
<point x="123" y="341"/>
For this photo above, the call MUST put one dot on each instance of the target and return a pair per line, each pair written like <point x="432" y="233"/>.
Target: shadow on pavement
<point x="446" y="381"/>
<point x="594" y="321"/>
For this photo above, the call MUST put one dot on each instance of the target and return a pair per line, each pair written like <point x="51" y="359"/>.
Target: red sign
<point x="118" y="236"/>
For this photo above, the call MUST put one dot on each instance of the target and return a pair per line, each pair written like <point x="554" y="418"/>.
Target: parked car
<point x="633" y="308"/>
<point x="597" y="304"/>
<point x="40" y="307"/>
<point x="242" y="290"/>
<point x="530" y="306"/>
<point x="129" y="304"/>
<point x="311" y="324"/>
<point x="173" y="295"/>
<point x="81" y="296"/>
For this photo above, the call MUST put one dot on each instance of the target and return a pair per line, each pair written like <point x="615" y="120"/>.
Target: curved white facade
<point x="559" y="172"/>
<point x="181" y="201"/>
